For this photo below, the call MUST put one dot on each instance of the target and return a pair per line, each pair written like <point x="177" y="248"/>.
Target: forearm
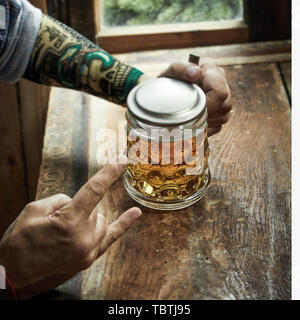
<point x="62" y="57"/>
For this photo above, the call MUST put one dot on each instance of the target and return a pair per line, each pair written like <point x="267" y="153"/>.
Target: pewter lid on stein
<point x="166" y="101"/>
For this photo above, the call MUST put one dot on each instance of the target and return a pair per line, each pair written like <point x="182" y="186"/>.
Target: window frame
<point x="263" y="21"/>
<point x="168" y="36"/>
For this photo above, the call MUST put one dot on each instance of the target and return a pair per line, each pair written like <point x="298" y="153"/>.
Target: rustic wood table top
<point x="233" y="244"/>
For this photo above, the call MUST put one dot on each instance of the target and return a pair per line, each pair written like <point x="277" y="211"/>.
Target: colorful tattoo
<point x="62" y="57"/>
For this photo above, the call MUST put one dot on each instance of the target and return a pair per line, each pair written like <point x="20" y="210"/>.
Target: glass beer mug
<point x="167" y="146"/>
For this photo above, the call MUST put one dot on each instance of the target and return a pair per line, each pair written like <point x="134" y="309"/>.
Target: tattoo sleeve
<point x="62" y="57"/>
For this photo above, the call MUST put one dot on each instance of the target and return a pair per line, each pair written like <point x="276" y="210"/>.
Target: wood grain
<point x="42" y="4"/>
<point x="34" y="100"/>
<point x="66" y="133"/>
<point x="268" y="20"/>
<point x="33" y="105"/>
<point x="153" y="62"/>
<point x="235" y="244"/>
<point x="64" y="166"/>
<point x="13" y="195"/>
<point x="58" y="9"/>
<point x="84" y="18"/>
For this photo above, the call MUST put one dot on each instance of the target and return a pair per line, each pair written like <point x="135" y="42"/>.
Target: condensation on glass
<point x="167" y="146"/>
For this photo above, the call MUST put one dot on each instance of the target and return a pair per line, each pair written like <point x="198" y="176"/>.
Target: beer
<point x="168" y="180"/>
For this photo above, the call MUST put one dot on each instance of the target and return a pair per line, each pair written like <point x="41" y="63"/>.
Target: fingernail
<point x="191" y="72"/>
<point x="136" y="212"/>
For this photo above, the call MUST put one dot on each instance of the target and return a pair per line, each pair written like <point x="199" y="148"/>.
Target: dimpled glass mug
<point x="167" y="146"/>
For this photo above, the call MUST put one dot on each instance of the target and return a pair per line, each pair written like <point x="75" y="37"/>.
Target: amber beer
<point x="168" y="179"/>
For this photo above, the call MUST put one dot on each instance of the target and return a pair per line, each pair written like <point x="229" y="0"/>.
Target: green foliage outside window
<point x="138" y="12"/>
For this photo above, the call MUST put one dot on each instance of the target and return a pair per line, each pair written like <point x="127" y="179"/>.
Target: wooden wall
<point x="23" y="109"/>
<point x="268" y="20"/>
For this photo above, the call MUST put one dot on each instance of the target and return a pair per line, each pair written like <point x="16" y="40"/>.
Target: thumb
<point x="213" y="130"/>
<point x="185" y="71"/>
<point x="116" y="229"/>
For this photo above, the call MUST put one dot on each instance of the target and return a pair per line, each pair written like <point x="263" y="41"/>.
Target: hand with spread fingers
<point x="55" y="238"/>
<point x="212" y="79"/>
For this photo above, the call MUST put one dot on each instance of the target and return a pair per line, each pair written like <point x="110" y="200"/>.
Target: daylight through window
<point x="147" y="12"/>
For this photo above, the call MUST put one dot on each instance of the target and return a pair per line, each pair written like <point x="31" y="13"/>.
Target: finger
<point x="212" y="77"/>
<point x="217" y="121"/>
<point x="116" y="229"/>
<point x="213" y="130"/>
<point x="48" y="205"/>
<point x="57" y="201"/>
<point x="227" y="105"/>
<point x="215" y="102"/>
<point x="214" y="110"/>
<point x="185" y="71"/>
<point x="100" y="226"/>
<point x="87" y="198"/>
<point x="214" y="84"/>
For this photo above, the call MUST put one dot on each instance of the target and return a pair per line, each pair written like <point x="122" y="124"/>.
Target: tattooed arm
<point x="62" y="57"/>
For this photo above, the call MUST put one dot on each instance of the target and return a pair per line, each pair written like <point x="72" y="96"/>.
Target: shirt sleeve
<point x="19" y="27"/>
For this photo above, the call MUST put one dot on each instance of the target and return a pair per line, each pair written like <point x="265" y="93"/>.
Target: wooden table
<point x="235" y="243"/>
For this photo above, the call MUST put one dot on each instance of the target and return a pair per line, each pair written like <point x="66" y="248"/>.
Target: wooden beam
<point x="13" y="195"/>
<point x="137" y="38"/>
<point x="268" y="20"/>
<point x="42" y="4"/>
<point x="58" y="9"/>
<point x="33" y="111"/>
<point x="84" y="18"/>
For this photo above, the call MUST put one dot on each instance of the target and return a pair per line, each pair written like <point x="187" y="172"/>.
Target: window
<point x="133" y="25"/>
<point x="141" y="12"/>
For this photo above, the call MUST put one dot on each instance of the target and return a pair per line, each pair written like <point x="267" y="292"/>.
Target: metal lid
<point x="165" y="101"/>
